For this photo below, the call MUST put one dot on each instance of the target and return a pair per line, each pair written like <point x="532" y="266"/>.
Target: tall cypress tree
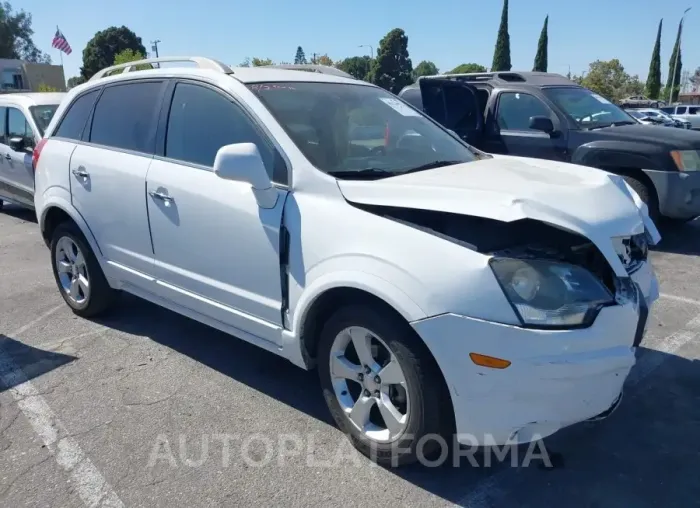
<point x="654" y="79"/>
<point x="300" y="57"/>
<point x="541" y="56"/>
<point x="678" y="65"/>
<point x="501" y="55"/>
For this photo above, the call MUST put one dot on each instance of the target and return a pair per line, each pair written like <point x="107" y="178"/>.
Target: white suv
<point x="438" y="289"/>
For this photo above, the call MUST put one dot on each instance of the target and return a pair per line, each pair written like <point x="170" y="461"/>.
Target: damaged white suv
<point x="438" y="290"/>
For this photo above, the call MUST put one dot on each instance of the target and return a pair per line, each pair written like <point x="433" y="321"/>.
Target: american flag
<point x="60" y="43"/>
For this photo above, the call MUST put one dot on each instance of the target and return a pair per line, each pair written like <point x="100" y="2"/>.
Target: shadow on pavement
<point x="645" y="454"/>
<point x="18" y="212"/>
<point x="680" y="239"/>
<point x="20" y="362"/>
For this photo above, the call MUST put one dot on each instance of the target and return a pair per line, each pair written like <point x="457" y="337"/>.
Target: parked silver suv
<point x="23" y="119"/>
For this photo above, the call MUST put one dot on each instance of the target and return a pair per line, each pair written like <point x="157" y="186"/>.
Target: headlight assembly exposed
<point x="548" y="294"/>
<point x="686" y="160"/>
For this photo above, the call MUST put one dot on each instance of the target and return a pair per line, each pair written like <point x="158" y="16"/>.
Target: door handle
<point x="80" y="172"/>
<point x="8" y="156"/>
<point x="161" y="195"/>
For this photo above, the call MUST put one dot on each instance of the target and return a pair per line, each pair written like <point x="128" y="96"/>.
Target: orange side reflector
<point x="489" y="361"/>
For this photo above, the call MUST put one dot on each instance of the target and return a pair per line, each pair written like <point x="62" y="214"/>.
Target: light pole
<point x="675" y="62"/>
<point x="371" y="49"/>
<point x="154" y="46"/>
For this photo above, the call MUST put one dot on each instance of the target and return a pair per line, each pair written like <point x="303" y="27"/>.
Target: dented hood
<point x="593" y="203"/>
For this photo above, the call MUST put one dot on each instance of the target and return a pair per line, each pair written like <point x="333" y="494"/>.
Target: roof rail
<point x="202" y="63"/>
<point x="321" y="69"/>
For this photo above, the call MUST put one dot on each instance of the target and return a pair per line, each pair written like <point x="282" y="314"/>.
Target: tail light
<point x="37" y="153"/>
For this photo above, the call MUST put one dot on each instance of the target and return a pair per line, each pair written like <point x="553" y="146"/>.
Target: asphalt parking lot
<point x="147" y="408"/>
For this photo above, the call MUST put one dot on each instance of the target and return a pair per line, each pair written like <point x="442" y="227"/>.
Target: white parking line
<point x="488" y="492"/>
<point x="91" y="486"/>
<point x="681" y="299"/>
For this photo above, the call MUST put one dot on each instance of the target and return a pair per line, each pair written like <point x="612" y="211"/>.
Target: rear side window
<point x="73" y="123"/>
<point x="693" y="111"/>
<point x="125" y="116"/>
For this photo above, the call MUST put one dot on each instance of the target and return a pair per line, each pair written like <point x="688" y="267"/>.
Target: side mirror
<point x="17" y="144"/>
<point x="241" y="162"/>
<point x="542" y="123"/>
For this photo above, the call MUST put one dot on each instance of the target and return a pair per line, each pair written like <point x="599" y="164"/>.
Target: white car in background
<point x="437" y="289"/>
<point x="23" y="120"/>
<point x="686" y="113"/>
<point x="668" y="119"/>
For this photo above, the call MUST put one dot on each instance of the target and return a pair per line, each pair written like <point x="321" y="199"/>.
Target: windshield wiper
<point x="612" y="124"/>
<point x="429" y="165"/>
<point x="368" y="173"/>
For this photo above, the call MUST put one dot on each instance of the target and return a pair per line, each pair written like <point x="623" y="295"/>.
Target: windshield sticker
<point x="600" y="99"/>
<point x="399" y="107"/>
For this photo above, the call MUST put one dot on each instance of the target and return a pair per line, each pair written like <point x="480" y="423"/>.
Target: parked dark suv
<point x="543" y="115"/>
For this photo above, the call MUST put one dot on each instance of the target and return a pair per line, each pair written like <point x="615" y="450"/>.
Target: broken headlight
<point x="549" y="294"/>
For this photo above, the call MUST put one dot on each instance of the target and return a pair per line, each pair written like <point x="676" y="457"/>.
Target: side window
<point x="3" y="125"/>
<point x="693" y="111"/>
<point x="202" y="120"/>
<point x="681" y="110"/>
<point x="18" y="127"/>
<point x="125" y="116"/>
<point x="515" y="110"/>
<point x="73" y="122"/>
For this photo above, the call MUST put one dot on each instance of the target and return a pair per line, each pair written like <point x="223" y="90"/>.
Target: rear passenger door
<point x="216" y="251"/>
<point x="108" y="175"/>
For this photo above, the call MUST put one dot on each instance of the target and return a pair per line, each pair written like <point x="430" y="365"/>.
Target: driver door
<point x="454" y="105"/>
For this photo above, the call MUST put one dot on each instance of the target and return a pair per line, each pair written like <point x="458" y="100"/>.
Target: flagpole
<point x="60" y="54"/>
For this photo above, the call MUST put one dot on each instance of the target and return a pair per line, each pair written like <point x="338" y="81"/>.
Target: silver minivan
<point x="23" y="119"/>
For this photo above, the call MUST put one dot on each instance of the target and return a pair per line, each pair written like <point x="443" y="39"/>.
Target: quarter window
<point x="126" y="115"/>
<point x="515" y="110"/>
<point x="202" y="120"/>
<point x="73" y="123"/>
<point x="3" y="125"/>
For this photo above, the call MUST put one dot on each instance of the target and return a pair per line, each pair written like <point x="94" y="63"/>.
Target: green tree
<point x="392" y="69"/>
<point x="653" y="86"/>
<point x="75" y="81"/>
<point x="16" y="36"/>
<point x="541" y="56"/>
<point x="43" y="87"/>
<point x="129" y="55"/>
<point x="260" y="62"/>
<point x="324" y="60"/>
<point x="501" y="55"/>
<point x="425" y="68"/>
<point x="609" y="79"/>
<point x="105" y="45"/>
<point x="300" y="57"/>
<point x="357" y="66"/>
<point x="675" y="63"/>
<point x="467" y="68"/>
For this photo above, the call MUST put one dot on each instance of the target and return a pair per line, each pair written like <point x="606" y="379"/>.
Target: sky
<point x="449" y="32"/>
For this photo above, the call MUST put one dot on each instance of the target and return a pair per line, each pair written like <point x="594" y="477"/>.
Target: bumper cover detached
<point x="556" y="377"/>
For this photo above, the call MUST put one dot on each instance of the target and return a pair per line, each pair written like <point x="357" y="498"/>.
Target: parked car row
<point x="436" y="288"/>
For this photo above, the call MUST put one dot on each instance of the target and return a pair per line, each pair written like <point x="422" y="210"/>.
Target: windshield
<point x="359" y="131"/>
<point x="587" y="109"/>
<point x="42" y="115"/>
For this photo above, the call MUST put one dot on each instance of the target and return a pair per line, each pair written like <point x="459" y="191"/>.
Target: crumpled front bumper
<point x="556" y="377"/>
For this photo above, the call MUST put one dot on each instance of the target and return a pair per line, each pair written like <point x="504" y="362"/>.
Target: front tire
<point x="382" y="386"/>
<point x="647" y="195"/>
<point x="77" y="272"/>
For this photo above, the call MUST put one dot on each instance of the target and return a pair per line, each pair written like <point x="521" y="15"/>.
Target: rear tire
<point x="647" y="195"/>
<point x="420" y="426"/>
<point x="77" y="272"/>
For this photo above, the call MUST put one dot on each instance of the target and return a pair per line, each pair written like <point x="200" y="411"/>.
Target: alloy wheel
<point x="369" y="384"/>
<point x="72" y="271"/>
